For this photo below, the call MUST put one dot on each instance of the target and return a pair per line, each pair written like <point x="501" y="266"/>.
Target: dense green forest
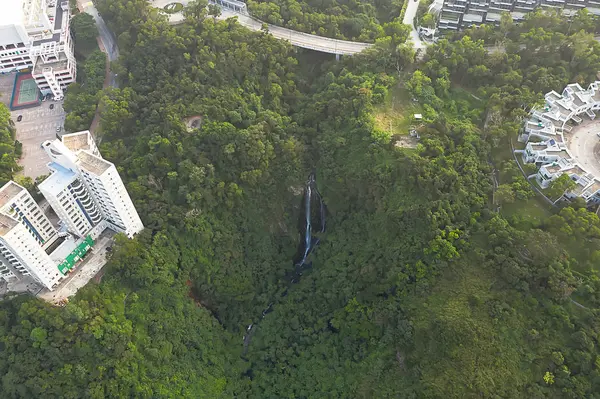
<point x="426" y="283"/>
<point x="83" y="96"/>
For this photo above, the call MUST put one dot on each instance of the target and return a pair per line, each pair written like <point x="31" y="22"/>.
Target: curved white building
<point x="549" y="132"/>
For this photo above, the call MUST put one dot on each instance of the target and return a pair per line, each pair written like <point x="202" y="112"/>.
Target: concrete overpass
<point x="233" y="8"/>
<point x="301" y="39"/>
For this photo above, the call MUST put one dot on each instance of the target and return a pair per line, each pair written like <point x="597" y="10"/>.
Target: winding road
<point x="299" y="39"/>
<point x="106" y="37"/>
<point x="409" y="19"/>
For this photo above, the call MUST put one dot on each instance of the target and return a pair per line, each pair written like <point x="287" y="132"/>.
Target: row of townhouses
<point x="35" y="36"/>
<point x="458" y="14"/>
<point x="546" y="133"/>
<point x="88" y="196"/>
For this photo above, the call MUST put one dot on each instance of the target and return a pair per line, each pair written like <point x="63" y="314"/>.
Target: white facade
<point x="78" y="154"/>
<point x="16" y="202"/>
<point x="458" y="14"/>
<point x="22" y="254"/>
<point x="87" y="194"/>
<point x="34" y="34"/>
<point x="70" y="200"/>
<point x="551" y="124"/>
<point x="110" y="193"/>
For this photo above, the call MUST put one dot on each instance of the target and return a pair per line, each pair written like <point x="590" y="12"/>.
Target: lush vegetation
<point x="83" y="96"/>
<point x="10" y="150"/>
<point x="429" y="281"/>
<point x="352" y="20"/>
<point x="84" y="30"/>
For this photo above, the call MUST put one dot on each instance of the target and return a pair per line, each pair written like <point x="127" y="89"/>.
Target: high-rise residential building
<point x="70" y="200"/>
<point x="88" y="196"/>
<point x="16" y="202"/>
<point x="34" y="35"/>
<point x="458" y="14"/>
<point x="21" y="254"/>
<point x="76" y="153"/>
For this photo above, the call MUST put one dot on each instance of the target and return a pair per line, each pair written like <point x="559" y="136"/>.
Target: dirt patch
<point x="192" y="295"/>
<point x="193" y="122"/>
<point x="406" y="142"/>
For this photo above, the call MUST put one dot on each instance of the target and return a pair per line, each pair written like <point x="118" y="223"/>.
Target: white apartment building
<point x="544" y="152"/>
<point x="458" y="14"/>
<point x="16" y="202"/>
<point x="87" y="194"/>
<point x="546" y="133"/>
<point x="77" y="153"/>
<point x="70" y="200"/>
<point x="21" y="254"/>
<point x="35" y="35"/>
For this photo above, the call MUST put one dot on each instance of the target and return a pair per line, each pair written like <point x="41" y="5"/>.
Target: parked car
<point x="19" y="118"/>
<point x="51" y="106"/>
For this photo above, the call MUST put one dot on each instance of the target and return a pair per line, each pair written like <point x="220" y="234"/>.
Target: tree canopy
<point x="439" y="275"/>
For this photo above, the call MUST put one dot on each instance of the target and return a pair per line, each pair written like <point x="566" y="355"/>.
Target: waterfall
<point x="312" y="202"/>
<point x="311" y="198"/>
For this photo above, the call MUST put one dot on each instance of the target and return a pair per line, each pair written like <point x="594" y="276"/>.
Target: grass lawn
<point x="173" y="8"/>
<point x="395" y="114"/>
<point x="527" y="214"/>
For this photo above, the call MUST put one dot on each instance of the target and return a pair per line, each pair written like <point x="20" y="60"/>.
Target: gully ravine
<point x="311" y="222"/>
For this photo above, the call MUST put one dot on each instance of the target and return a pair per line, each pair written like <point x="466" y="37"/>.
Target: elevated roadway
<point x="230" y="9"/>
<point x="304" y="40"/>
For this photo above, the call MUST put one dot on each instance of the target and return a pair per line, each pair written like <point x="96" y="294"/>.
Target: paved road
<point x="409" y="18"/>
<point x="82" y="273"/>
<point x="299" y="39"/>
<point x="305" y="40"/>
<point x="106" y="36"/>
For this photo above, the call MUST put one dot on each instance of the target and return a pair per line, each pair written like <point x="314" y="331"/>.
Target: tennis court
<point x="25" y="92"/>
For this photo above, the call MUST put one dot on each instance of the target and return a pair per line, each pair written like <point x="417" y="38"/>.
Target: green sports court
<point x="25" y="92"/>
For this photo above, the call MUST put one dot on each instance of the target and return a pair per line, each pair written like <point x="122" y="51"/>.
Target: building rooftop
<point x="470" y="17"/>
<point x="58" y="65"/>
<point x="592" y="188"/>
<point x="54" y="38"/>
<point x="576" y="170"/>
<point x="492" y="16"/>
<point x="9" y="191"/>
<point x="12" y="12"/>
<point x="563" y="109"/>
<point x="63" y="250"/>
<point x="58" y="17"/>
<point x="6" y="224"/>
<point x="58" y="180"/>
<point x="92" y="163"/>
<point x="594" y="10"/>
<point x="578" y="101"/>
<point x="76" y="141"/>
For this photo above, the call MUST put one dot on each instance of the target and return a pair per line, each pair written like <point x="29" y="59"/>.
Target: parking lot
<point x="37" y="125"/>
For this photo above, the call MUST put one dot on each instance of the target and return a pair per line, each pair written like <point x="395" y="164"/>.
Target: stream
<point x="310" y="222"/>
